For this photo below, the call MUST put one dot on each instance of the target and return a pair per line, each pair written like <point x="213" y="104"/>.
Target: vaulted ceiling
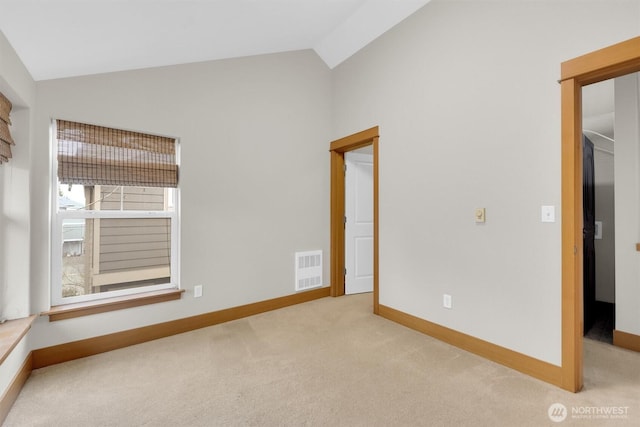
<point x="64" y="38"/>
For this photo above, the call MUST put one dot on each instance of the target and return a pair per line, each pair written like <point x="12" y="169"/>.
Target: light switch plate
<point x="548" y="214"/>
<point x="598" y="231"/>
<point x="480" y="215"/>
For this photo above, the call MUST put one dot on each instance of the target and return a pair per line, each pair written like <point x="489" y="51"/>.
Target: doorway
<point x="358" y="221"/>
<point x="614" y="61"/>
<point x="599" y="207"/>
<point x="338" y="149"/>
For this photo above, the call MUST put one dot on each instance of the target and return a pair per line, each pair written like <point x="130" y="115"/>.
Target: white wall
<point x="468" y="104"/>
<point x="254" y="177"/>
<point x="18" y="86"/>
<point x="627" y="201"/>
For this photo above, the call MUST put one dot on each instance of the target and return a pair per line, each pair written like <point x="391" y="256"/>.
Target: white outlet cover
<point x="446" y="301"/>
<point x="197" y="291"/>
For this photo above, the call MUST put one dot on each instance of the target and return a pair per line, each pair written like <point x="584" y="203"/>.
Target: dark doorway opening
<point x="603" y="322"/>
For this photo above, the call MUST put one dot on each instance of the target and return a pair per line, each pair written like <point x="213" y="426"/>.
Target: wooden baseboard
<point x="626" y="340"/>
<point x="90" y="346"/>
<point x="11" y="394"/>
<point x="512" y="359"/>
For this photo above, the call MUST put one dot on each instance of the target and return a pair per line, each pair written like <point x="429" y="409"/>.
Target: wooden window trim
<point x="11" y="332"/>
<point x="613" y="61"/>
<point x="69" y="311"/>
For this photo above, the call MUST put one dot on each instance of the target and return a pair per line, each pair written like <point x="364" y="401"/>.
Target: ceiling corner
<point x="369" y="22"/>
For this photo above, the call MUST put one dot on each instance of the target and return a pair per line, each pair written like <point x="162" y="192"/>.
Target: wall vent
<point x="308" y="270"/>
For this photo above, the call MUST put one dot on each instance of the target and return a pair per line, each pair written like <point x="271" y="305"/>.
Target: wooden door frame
<point x="610" y="62"/>
<point x="337" y="149"/>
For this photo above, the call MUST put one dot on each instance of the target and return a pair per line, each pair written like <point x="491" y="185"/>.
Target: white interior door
<point x="358" y="223"/>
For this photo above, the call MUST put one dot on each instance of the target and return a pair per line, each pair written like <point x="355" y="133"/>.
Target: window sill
<point x="11" y="332"/>
<point x="69" y="311"/>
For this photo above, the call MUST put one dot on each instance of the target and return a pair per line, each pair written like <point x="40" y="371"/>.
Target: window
<point x="115" y="222"/>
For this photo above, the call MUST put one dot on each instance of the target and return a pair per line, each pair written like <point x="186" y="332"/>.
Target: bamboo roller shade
<point x="5" y="136"/>
<point x="96" y="155"/>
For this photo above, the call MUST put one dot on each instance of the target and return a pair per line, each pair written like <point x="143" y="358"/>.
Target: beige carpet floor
<point x="329" y="362"/>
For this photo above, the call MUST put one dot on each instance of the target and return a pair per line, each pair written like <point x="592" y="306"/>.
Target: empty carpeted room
<point x="319" y="212"/>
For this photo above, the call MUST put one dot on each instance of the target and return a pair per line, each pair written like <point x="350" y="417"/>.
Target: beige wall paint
<point x="254" y="175"/>
<point x="468" y="104"/>
<point x="18" y="86"/>
<point x="627" y="213"/>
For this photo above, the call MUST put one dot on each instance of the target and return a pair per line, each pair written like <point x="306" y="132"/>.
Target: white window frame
<point x="58" y="216"/>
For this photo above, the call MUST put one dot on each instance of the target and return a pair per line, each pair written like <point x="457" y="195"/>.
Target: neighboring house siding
<point x="134" y="243"/>
<point x="133" y="199"/>
<point x="132" y="249"/>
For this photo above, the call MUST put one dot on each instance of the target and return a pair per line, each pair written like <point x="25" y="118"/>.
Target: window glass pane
<point x="106" y="254"/>
<point x="71" y="197"/>
<point x="74" y="268"/>
<point x="114" y="198"/>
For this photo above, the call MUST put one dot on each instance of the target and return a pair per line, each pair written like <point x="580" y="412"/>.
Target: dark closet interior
<point x="599" y="316"/>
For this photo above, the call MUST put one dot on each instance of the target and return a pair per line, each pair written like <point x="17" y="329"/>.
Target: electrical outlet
<point x="446" y="301"/>
<point x="197" y="291"/>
